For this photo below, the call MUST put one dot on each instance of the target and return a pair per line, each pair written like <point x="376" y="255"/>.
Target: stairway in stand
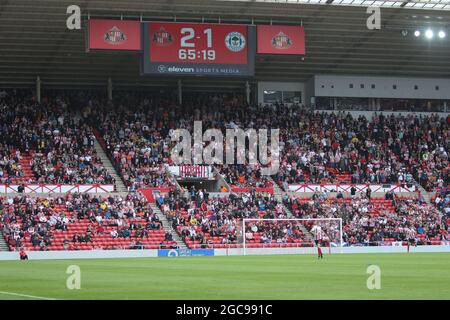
<point x="426" y="195"/>
<point x="25" y="163"/>
<point x="120" y="186"/>
<point x="3" y="245"/>
<point x="167" y="227"/>
<point x="278" y="194"/>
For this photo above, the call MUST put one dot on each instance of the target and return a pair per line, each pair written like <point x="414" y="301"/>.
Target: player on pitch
<point x="317" y="231"/>
<point x="319" y="252"/>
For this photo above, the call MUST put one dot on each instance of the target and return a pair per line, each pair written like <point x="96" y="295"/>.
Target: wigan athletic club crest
<point x="115" y="36"/>
<point x="235" y="41"/>
<point x="281" y="41"/>
<point x="162" y="37"/>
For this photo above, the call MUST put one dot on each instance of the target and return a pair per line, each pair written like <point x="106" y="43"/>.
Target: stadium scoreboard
<point x="195" y="49"/>
<point x="172" y="48"/>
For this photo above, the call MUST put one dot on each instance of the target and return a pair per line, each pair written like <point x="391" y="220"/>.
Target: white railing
<point x="57" y="188"/>
<point x="383" y="188"/>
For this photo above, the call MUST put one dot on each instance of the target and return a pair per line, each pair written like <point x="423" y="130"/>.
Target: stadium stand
<point x="322" y="147"/>
<point x="204" y="222"/>
<point x="52" y="142"/>
<point x="372" y="221"/>
<point x="81" y="222"/>
<point x="318" y="147"/>
<point x="46" y="143"/>
<point x="212" y="222"/>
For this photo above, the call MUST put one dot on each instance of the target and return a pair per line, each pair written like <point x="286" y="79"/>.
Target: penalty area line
<point x="25" y="295"/>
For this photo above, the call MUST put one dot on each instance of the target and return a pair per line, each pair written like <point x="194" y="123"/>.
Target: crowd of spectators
<point x="442" y="203"/>
<point x="53" y="133"/>
<point x="316" y="147"/>
<point x="280" y="232"/>
<point x="198" y="217"/>
<point x="138" y="143"/>
<point x="245" y="176"/>
<point x="137" y="135"/>
<point x="371" y="221"/>
<point x="32" y="221"/>
<point x="366" y="221"/>
<point x="10" y="164"/>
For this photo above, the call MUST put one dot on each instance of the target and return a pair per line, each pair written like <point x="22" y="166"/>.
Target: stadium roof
<point x="34" y="41"/>
<point x="414" y="4"/>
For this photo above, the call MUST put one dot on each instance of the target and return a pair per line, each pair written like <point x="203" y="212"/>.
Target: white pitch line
<point x="25" y="295"/>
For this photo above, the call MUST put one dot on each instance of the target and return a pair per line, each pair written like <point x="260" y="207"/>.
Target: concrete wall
<point x="309" y="92"/>
<point x="369" y="114"/>
<point x="82" y="254"/>
<point x="339" y="86"/>
<point x="280" y="86"/>
<point x="109" y="254"/>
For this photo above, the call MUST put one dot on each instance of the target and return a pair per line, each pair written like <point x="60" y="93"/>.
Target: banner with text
<point x="185" y="252"/>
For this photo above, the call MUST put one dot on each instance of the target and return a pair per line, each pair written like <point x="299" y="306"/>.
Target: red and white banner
<point x="58" y="188"/>
<point x="281" y="39"/>
<point x="305" y="188"/>
<point x="114" y="34"/>
<point x="192" y="171"/>
<point x="258" y="190"/>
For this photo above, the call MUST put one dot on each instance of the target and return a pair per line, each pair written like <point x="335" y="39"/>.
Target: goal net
<point x="291" y="233"/>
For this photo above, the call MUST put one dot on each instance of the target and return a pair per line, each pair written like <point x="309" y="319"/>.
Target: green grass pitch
<point x="403" y="276"/>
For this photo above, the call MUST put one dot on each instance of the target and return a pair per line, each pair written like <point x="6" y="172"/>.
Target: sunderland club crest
<point x="281" y="41"/>
<point x="115" y="36"/>
<point x="162" y="37"/>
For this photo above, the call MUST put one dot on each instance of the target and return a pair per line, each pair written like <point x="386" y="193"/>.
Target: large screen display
<point x="114" y="34"/>
<point x="198" y="49"/>
<point x="274" y="39"/>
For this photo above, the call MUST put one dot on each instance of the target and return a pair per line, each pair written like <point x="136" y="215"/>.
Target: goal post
<point x="291" y="233"/>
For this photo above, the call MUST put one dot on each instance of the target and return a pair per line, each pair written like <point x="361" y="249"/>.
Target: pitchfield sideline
<point x="403" y="276"/>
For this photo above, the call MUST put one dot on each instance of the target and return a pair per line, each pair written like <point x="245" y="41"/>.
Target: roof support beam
<point x="404" y="3"/>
